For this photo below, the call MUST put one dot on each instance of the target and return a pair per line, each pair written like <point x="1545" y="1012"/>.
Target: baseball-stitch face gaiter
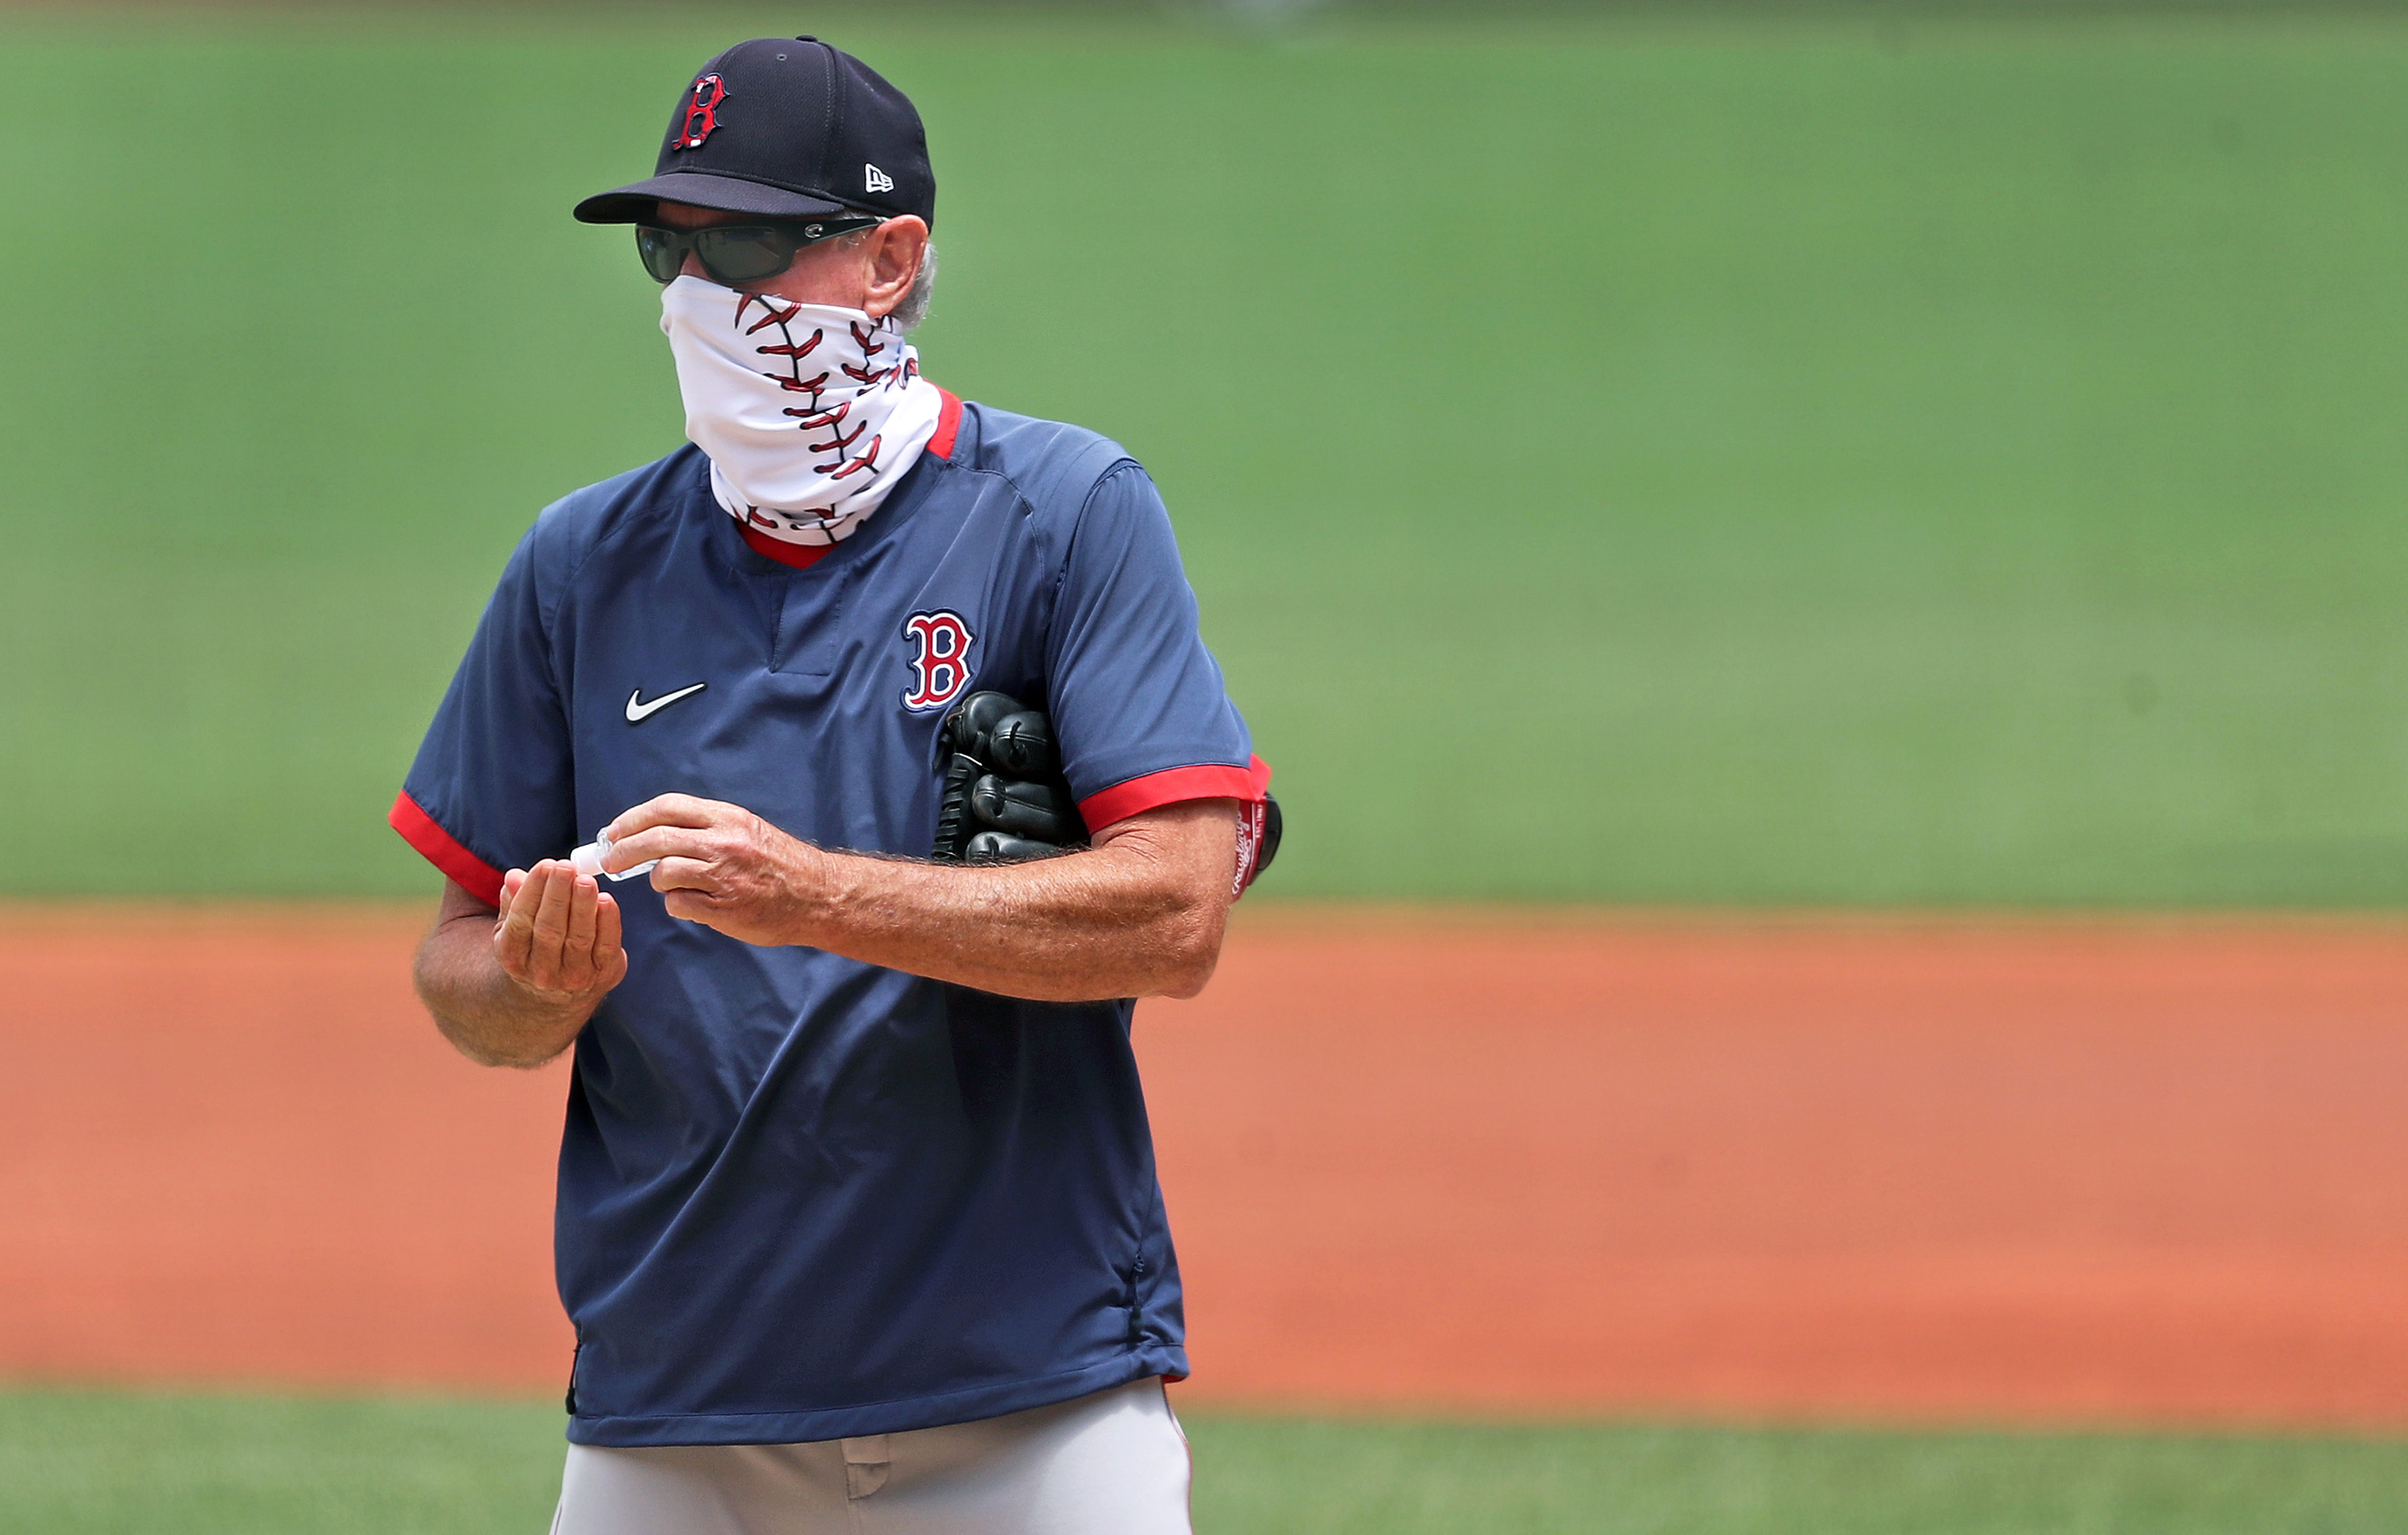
<point x="809" y="413"/>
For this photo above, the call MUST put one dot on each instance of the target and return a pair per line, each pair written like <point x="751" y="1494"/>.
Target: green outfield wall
<point x="1892" y="458"/>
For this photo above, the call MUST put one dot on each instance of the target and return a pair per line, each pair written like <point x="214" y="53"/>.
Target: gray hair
<point x="913" y="306"/>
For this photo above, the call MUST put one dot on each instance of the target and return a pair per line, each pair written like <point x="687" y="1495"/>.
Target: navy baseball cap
<point x="788" y="128"/>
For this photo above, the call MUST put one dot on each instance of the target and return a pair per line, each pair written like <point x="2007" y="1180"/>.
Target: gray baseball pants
<point x="1115" y="1463"/>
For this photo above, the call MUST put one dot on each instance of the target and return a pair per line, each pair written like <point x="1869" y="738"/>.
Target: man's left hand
<point x="721" y="866"/>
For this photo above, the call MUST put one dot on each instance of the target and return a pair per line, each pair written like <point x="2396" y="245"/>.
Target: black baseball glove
<point x="1005" y="801"/>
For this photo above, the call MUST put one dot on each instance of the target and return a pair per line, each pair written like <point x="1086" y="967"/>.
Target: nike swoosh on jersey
<point x="638" y="711"/>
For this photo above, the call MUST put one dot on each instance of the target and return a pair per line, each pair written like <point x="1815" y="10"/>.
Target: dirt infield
<point x="2041" y="1170"/>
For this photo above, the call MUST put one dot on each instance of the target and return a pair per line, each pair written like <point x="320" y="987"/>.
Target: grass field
<point x="1894" y="459"/>
<point x="86" y="1465"/>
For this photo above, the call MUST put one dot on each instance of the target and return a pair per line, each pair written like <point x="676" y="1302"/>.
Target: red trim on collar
<point x="949" y="424"/>
<point x="441" y="849"/>
<point x="801" y="557"/>
<point x="1173" y="786"/>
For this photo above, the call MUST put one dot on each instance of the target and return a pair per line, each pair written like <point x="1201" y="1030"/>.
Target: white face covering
<point x="810" y="414"/>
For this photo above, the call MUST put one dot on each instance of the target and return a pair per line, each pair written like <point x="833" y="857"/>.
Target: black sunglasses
<point x="740" y="253"/>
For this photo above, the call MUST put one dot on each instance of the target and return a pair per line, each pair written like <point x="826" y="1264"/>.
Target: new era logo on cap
<point x="876" y="180"/>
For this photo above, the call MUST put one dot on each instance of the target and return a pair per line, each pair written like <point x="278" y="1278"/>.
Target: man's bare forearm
<point x="1141" y="913"/>
<point x="492" y="1021"/>
<point x="490" y="1016"/>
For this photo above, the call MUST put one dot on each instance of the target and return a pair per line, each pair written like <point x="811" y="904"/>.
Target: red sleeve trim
<point x="801" y="557"/>
<point x="1172" y="786"/>
<point x="441" y="849"/>
<point x="949" y="424"/>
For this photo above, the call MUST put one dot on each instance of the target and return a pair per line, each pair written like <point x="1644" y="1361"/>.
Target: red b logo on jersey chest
<point x="701" y="112"/>
<point x="941" y="659"/>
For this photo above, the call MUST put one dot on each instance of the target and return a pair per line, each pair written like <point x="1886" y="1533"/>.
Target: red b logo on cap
<point x="701" y="112"/>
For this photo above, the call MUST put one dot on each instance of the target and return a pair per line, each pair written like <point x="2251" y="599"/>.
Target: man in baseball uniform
<point x="858" y="1222"/>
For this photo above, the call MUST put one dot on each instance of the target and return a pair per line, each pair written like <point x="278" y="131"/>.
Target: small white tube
<point x="588" y="860"/>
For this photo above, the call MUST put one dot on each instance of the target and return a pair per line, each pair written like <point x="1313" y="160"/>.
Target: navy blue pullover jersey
<point x="803" y="1198"/>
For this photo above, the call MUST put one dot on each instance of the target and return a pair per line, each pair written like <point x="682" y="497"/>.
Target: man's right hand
<point x="512" y="987"/>
<point x="557" y="935"/>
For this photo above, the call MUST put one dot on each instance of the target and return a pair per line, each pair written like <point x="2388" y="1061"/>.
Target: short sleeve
<point x="492" y="787"/>
<point x="1139" y="704"/>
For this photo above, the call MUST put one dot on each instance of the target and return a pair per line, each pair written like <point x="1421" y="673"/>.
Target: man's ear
<point x="893" y="254"/>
